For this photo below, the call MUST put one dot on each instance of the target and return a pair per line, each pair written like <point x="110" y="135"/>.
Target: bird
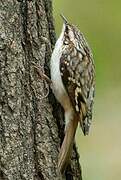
<point x="72" y="72"/>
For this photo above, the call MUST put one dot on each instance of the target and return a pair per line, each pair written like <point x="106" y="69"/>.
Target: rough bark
<point x="31" y="123"/>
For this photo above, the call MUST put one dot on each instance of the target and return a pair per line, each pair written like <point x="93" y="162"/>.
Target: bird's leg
<point x="38" y="68"/>
<point x="41" y="74"/>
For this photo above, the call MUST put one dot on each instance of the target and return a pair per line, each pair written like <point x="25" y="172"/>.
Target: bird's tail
<point x="67" y="144"/>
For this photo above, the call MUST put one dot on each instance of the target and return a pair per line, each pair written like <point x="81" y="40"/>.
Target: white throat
<point x="58" y="86"/>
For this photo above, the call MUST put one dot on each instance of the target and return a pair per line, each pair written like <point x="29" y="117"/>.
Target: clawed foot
<point x="41" y="74"/>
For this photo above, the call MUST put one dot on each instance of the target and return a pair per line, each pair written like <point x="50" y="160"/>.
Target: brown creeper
<point x="72" y="75"/>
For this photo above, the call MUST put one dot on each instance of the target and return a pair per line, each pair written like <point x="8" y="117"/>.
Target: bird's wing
<point x="77" y="72"/>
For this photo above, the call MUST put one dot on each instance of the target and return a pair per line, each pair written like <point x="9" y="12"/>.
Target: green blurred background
<point x="100" y="21"/>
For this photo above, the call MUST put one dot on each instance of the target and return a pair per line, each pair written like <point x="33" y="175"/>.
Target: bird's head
<point x="71" y="32"/>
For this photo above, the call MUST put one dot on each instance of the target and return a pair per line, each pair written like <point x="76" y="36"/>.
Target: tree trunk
<point x="31" y="121"/>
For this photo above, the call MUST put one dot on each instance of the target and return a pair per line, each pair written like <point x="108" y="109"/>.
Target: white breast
<point x="58" y="87"/>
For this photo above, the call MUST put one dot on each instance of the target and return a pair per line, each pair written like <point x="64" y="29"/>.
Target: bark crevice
<point x="31" y="126"/>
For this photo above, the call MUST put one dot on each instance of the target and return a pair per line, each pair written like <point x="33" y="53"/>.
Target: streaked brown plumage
<point x="73" y="78"/>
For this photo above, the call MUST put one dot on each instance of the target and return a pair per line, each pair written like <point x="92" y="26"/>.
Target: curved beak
<point x="64" y="19"/>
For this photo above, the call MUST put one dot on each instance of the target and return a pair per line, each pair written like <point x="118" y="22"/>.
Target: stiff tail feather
<point x="67" y="145"/>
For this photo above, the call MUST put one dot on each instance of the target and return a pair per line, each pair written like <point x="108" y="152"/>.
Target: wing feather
<point x="77" y="72"/>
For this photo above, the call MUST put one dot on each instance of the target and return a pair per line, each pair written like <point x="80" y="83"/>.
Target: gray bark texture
<point x="31" y="121"/>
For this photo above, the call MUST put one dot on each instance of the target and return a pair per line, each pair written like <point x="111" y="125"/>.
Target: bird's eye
<point x="66" y="30"/>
